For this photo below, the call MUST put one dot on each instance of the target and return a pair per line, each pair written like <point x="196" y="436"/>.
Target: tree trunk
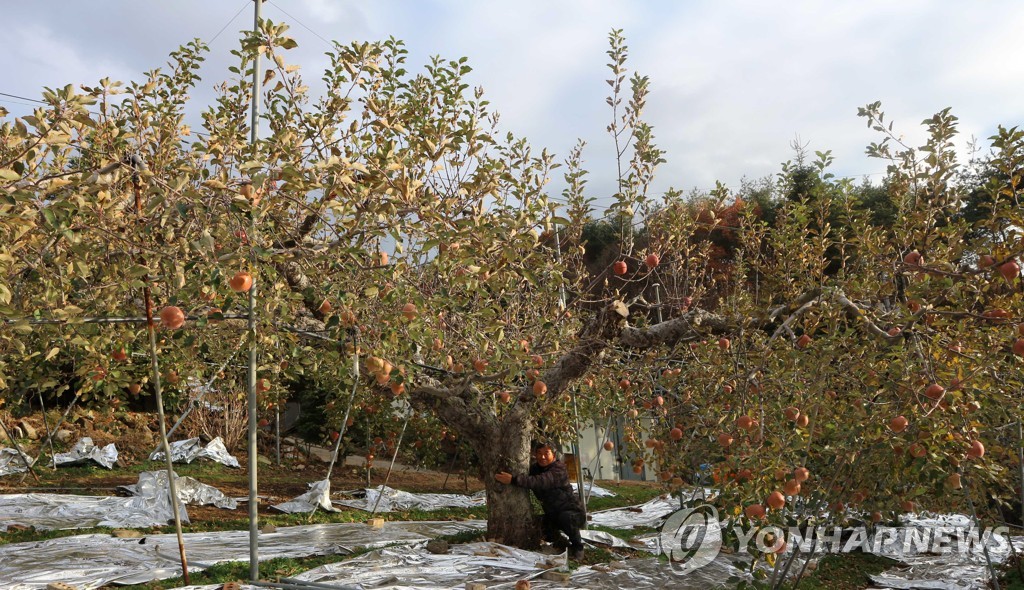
<point x="510" y="518"/>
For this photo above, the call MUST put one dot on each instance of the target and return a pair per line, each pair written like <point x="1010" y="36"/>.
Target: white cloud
<point x="732" y="82"/>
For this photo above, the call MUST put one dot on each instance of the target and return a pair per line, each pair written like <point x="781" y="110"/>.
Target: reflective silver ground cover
<point x="84" y="452"/>
<point x="10" y="463"/>
<point x="190" y="490"/>
<point x="591" y="489"/>
<point x="392" y="499"/>
<point x="946" y="571"/>
<point x="62" y="512"/>
<point x="318" y="497"/>
<point x="950" y="571"/>
<point x="90" y="561"/>
<point x="189" y="450"/>
<point x="499" y="566"/>
<point x="651" y="513"/>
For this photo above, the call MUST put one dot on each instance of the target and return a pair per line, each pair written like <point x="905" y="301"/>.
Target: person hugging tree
<point x="549" y="480"/>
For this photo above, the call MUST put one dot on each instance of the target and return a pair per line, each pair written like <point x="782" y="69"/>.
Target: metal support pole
<point x="657" y="300"/>
<point x="154" y="365"/>
<point x="580" y="484"/>
<point x="277" y="433"/>
<point x="348" y="408"/>
<point x="49" y="435"/>
<point x="21" y="454"/>
<point x="387" y="476"/>
<point x="60" y="423"/>
<point x="994" y="576"/>
<point x="455" y="458"/>
<point x="254" y="532"/>
<point x="1020" y="460"/>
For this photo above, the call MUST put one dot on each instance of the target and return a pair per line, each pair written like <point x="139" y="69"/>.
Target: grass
<point x="845" y="571"/>
<point x="625" y="495"/>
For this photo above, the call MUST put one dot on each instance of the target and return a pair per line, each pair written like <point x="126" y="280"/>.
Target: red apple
<point x="803" y="342"/>
<point x="241" y="282"/>
<point x="898" y="424"/>
<point x="934" y="391"/>
<point x="754" y="511"/>
<point x="409" y="311"/>
<point x="608" y="445"/>
<point x="652" y="260"/>
<point x="620" y="267"/>
<point x="172" y="317"/>
<point x="1010" y="270"/>
<point x="976" y="451"/>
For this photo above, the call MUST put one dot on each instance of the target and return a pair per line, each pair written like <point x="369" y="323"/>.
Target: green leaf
<point x="53" y="352"/>
<point x="8" y="174"/>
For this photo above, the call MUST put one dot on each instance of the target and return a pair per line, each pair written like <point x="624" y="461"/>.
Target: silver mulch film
<point x="10" y="463"/>
<point x="650" y="513"/>
<point x="85" y="451"/>
<point x="189" y="450"/>
<point x="62" y="512"/>
<point x="392" y="499"/>
<point x="318" y="497"/>
<point x="950" y="570"/>
<point x="592" y="490"/>
<point x="497" y="565"/>
<point x="190" y="490"/>
<point x="89" y="561"/>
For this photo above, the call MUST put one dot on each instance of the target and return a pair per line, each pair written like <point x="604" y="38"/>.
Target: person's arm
<point x="554" y="477"/>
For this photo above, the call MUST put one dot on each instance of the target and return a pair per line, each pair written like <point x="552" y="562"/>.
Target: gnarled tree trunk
<point x="509" y="514"/>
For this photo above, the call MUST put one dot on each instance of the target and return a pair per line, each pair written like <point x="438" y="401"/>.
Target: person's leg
<point x="569" y="523"/>
<point x="551" y="527"/>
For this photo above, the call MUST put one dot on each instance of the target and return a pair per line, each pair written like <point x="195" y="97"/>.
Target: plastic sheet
<point x="592" y="490"/>
<point x="84" y="452"/>
<point x="650" y="513"/>
<point x="10" y="463"/>
<point x="189" y="450"/>
<point x="60" y="511"/>
<point x="190" y="490"/>
<point x="318" y="496"/>
<point x="952" y="570"/>
<point x="497" y="565"/>
<point x="392" y="499"/>
<point x="609" y="540"/>
<point x="89" y="561"/>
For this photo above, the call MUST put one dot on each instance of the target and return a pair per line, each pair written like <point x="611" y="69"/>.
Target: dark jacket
<point x="551" y="486"/>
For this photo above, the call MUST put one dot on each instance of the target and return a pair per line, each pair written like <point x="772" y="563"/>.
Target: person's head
<point x="543" y="454"/>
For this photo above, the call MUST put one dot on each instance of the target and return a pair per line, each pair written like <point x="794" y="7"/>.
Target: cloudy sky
<point x="733" y="83"/>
